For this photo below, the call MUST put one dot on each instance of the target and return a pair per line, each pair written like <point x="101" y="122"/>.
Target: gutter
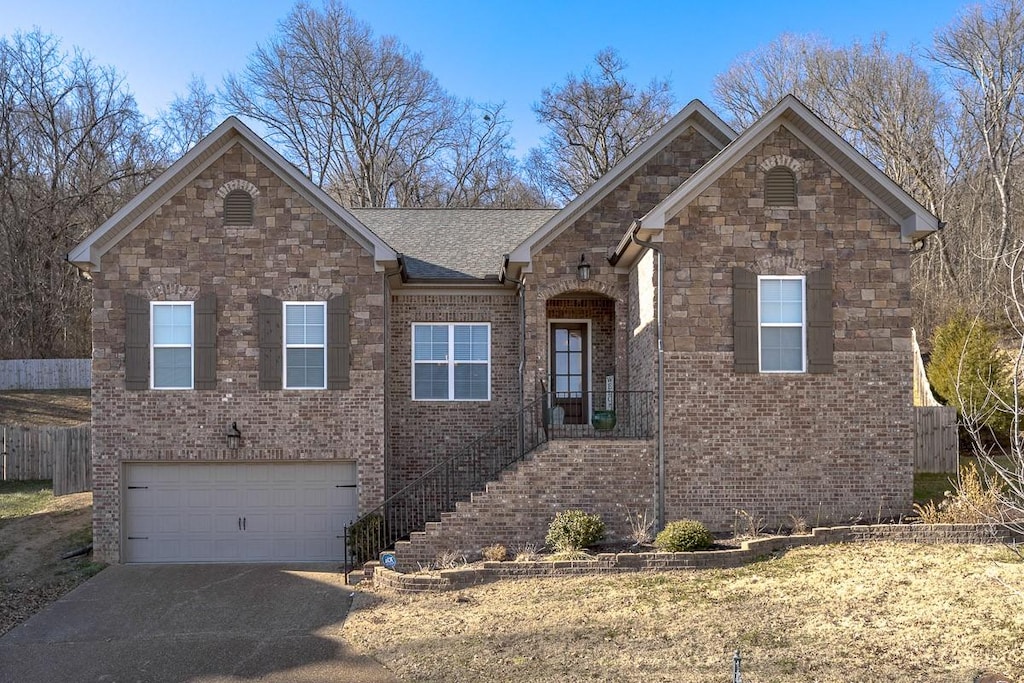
<point x="503" y="277"/>
<point x="632" y="233"/>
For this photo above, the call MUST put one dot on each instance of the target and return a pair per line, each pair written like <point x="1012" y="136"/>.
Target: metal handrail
<point x="455" y="479"/>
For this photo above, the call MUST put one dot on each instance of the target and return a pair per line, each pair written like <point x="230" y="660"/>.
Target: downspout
<point x="386" y="289"/>
<point x="521" y="289"/>
<point x="661" y="370"/>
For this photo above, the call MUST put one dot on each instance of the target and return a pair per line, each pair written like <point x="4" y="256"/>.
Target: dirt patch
<point x="31" y="572"/>
<point x="870" y="612"/>
<point x="65" y="408"/>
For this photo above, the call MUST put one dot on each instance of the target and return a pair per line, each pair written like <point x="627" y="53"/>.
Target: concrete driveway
<point x="201" y="623"/>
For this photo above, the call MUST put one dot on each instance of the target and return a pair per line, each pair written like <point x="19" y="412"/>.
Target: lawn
<point x="63" y="408"/>
<point x="36" y="529"/>
<point x="23" y="498"/>
<point x="865" y="612"/>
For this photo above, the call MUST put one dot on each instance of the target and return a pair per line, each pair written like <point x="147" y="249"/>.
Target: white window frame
<point x="153" y="346"/>
<point x="285" y="345"/>
<point x="802" y="324"/>
<point x="449" y="360"/>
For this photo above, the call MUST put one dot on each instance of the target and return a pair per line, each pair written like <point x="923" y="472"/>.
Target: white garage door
<point x="237" y="512"/>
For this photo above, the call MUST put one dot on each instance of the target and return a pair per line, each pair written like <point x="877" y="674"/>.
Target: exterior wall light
<point x="583" y="269"/>
<point x="234" y="436"/>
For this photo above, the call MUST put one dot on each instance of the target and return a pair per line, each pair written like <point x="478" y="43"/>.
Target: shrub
<point x="971" y="503"/>
<point x="968" y="371"/>
<point x="527" y="552"/>
<point x="365" y="539"/>
<point x="495" y="553"/>
<point x="574" y="530"/>
<point x="686" y="534"/>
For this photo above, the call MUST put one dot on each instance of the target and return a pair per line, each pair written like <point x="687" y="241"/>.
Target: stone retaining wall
<point x="456" y="579"/>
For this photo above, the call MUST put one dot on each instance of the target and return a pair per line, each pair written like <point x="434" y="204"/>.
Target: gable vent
<point x="238" y="208"/>
<point x="780" y="187"/>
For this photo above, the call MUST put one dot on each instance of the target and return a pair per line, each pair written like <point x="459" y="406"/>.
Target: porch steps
<point x="612" y="478"/>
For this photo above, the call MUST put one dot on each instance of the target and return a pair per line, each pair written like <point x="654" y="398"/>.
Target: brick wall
<point x="826" y="447"/>
<point x="423" y="433"/>
<point x="291" y="252"/>
<point x="608" y="478"/>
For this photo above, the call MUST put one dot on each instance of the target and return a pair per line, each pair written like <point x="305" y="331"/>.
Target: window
<point x="172" y="346"/>
<point x="781" y="315"/>
<point x="305" y="345"/>
<point x="780" y="187"/>
<point x="451" y="362"/>
<point x="238" y="208"/>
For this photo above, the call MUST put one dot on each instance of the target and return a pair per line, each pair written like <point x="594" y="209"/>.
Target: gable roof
<point x="453" y="244"/>
<point x="915" y="220"/>
<point x="89" y="253"/>
<point x="694" y="115"/>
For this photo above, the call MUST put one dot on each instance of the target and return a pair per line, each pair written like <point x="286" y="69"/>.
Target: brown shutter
<point x="270" y="333"/>
<point x="819" y="321"/>
<point x="136" y="343"/>
<point x="337" y="342"/>
<point x="744" y="321"/>
<point x="205" y="312"/>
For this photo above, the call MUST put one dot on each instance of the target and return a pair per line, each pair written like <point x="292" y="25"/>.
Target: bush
<point x="686" y="534"/>
<point x="968" y="371"/>
<point x="574" y="530"/>
<point x="495" y="553"/>
<point x="971" y="503"/>
<point x="365" y="539"/>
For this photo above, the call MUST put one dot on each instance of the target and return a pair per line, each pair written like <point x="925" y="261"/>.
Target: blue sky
<point x="485" y="50"/>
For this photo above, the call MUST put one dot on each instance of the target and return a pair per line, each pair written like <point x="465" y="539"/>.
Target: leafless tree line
<point x="947" y="125"/>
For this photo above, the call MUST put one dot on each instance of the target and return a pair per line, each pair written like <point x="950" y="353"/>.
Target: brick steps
<point x="610" y="478"/>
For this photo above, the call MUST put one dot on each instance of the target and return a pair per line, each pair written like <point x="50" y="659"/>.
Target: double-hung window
<point x="781" y="323"/>
<point x="451" y="362"/>
<point x="305" y="345"/>
<point x="173" y="344"/>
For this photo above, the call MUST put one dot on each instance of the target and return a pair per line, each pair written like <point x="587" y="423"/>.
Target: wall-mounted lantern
<point x="234" y="436"/>
<point x="583" y="269"/>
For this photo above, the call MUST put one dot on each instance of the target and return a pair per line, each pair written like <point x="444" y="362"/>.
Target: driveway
<point x="197" y="623"/>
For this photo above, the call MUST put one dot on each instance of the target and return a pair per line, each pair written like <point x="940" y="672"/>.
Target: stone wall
<point x="290" y="252"/>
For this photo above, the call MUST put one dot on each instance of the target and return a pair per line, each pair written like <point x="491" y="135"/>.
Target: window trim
<point x="153" y="346"/>
<point x="449" y="361"/>
<point x="285" y="345"/>
<point x="802" y="324"/>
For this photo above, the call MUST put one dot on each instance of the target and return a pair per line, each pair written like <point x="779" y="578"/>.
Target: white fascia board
<point x="554" y="226"/>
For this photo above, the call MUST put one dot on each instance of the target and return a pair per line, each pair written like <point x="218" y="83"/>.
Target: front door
<point x="569" y="362"/>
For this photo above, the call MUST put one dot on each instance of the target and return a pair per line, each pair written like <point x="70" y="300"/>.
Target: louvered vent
<point x="238" y="208"/>
<point x="780" y="187"/>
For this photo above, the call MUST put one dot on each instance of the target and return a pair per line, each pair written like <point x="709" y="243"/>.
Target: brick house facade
<point x="422" y="305"/>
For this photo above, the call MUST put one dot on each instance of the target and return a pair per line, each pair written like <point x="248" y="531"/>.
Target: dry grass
<point x="868" y="612"/>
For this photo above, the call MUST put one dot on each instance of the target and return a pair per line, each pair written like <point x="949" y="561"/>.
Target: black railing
<point x="600" y="414"/>
<point x="578" y="415"/>
<point x="444" y="485"/>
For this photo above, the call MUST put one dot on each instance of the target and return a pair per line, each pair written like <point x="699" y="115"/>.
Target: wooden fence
<point x="51" y="373"/>
<point x="58" y="453"/>
<point x="936" y="442"/>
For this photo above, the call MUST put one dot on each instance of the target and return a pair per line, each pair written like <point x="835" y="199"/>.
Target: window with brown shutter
<point x="337" y="342"/>
<point x="820" y="335"/>
<point x="744" y="320"/>
<point x="238" y="208"/>
<point x="136" y="343"/>
<point x="271" y="333"/>
<point x="780" y="187"/>
<point x="205" y="312"/>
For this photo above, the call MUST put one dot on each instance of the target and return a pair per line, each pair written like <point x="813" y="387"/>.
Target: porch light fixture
<point x="583" y="269"/>
<point x="234" y="436"/>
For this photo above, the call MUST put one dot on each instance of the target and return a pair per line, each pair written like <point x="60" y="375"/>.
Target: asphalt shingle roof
<point x="453" y="243"/>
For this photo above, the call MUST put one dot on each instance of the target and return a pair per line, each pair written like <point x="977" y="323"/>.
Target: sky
<point x="485" y="50"/>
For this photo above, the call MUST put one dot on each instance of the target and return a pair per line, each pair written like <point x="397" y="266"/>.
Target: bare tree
<point x="188" y="119"/>
<point x="362" y="116"/>
<point x="594" y="121"/>
<point x="73" y="147"/>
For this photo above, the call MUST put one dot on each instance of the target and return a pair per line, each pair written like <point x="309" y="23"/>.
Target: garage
<point x="237" y="512"/>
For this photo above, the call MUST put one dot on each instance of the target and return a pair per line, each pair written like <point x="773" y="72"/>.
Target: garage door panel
<point x="191" y="512"/>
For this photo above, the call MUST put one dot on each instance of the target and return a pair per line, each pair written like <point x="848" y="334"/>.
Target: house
<point x="719" y="326"/>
